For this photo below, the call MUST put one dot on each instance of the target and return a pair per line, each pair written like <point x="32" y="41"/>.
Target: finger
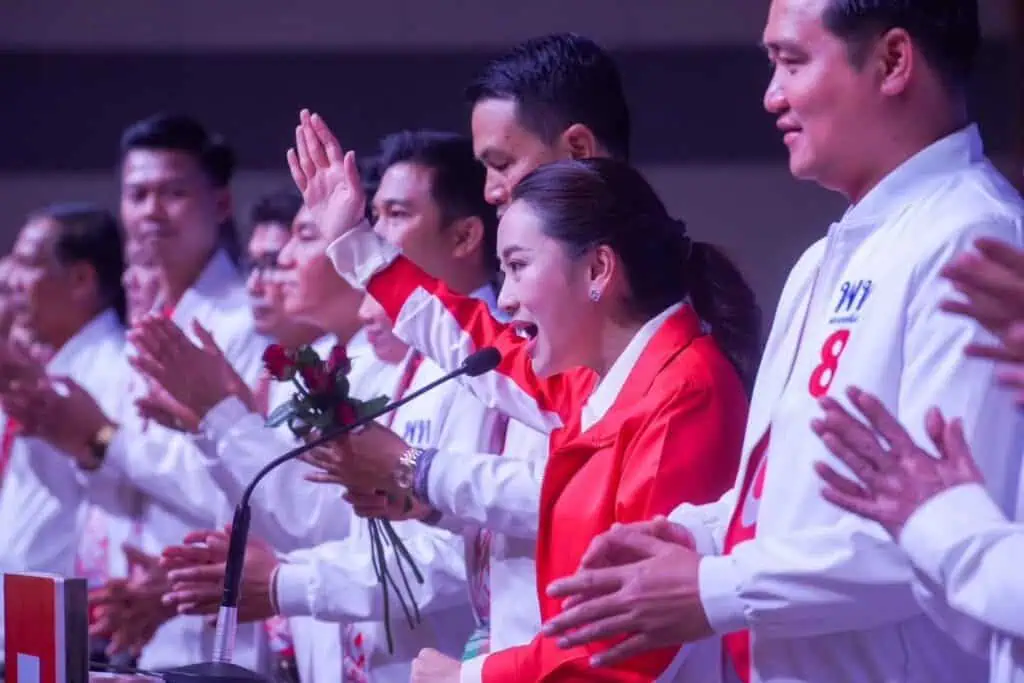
<point x="631" y="647"/>
<point x="1011" y="377"/>
<point x="848" y="430"/>
<point x="864" y="463"/>
<point x="148" y="365"/>
<point x="137" y="558"/>
<point x="324" y="478"/>
<point x="879" y="417"/>
<point x="330" y="143"/>
<point x="996" y="352"/>
<point x="298" y="175"/>
<point x="588" y="582"/>
<point x="673" y="533"/>
<point x="194" y="538"/>
<point x="585" y="614"/>
<point x="609" y="627"/>
<point x="198" y="574"/>
<point x="1002" y="253"/>
<point x="840" y="483"/>
<point x="961" y="467"/>
<point x="302" y="149"/>
<point x="317" y="152"/>
<point x="858" y="506"/>
<point x="206" y="339"/>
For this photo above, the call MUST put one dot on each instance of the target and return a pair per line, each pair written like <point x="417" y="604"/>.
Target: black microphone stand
<point x="221" y="669"/>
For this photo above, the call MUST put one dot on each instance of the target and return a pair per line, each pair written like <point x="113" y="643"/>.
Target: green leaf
<point x="307" y="356"/>
<point x="279" y="415"/>
<point x="366" y="408"/>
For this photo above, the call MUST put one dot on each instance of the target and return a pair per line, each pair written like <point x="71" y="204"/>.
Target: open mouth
<point x="524" y="330"/>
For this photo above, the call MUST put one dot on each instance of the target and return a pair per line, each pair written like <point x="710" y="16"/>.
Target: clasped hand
<point x="364" y="463"/>
<point x="638" y="583"/>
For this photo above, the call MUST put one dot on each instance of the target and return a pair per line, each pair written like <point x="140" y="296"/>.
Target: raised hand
<point x="327" y="177"/>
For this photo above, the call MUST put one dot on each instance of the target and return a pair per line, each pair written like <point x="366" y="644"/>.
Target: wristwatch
<point x="405" y="471"/>
<point x="99" y="444"/>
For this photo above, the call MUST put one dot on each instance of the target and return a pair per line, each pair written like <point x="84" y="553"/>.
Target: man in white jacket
<point x="966" y="549"/>
<point x="870" y="98"/>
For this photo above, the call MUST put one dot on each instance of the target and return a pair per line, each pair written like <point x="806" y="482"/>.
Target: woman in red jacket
<point x="607" y="349"/>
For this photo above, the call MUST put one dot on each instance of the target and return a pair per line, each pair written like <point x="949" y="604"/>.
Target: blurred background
<point x="73" y="74"/>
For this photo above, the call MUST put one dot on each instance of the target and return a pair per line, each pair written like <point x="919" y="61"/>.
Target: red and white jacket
<point x="661" y="428"/>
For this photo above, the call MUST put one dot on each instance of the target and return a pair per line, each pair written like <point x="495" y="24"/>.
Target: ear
<point x="82" y="280"/>
<point x="467" y="235"/>
<point x="578" y="142"/>
<point x="601" y="267"/>
<point x="896" y="59"/>
<point x="224" y="204"/>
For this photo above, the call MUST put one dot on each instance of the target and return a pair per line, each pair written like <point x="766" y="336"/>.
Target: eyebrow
<point x="510" y="250"/>
<point x="780" y="45"/>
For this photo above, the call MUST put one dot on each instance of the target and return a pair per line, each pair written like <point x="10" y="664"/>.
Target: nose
<point x="774" y="97"/>
<point x="495" y="190"/>
<point x="506" y="299"/>
<point x="286" y="257"/>
<point x="254" y="283"/>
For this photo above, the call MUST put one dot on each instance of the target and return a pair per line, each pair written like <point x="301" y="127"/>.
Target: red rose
<point x="279" y="362"/>
<point x="316" y="378"/>
<point x="345" y="413"/>
<point x="338" y="360"/>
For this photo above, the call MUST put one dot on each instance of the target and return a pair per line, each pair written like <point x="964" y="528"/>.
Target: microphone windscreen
<point x="484" y="360"/>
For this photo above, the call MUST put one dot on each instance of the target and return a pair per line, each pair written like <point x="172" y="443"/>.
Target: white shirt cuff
<point x="718" y="582"/>
<point x="292" y="589"/>
<point x="216" y="424"/>
<point x="359" y="254"/>
<point x="473" y="670"/>
<point x="944" y="522"/>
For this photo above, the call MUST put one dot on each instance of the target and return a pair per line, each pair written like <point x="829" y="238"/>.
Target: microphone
<point x="221" y="669"/>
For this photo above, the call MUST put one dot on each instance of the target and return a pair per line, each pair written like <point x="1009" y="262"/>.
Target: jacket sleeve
<point x="686" y="451"/>
<point x="165" y="466"/>
<point x="447" y="328"/>
<point x="337" y="581"/>
<point x="846" y="573"/>
<point x="237" y="445"/>
<point x="971" y="553"/>
<point x="499" y="492"/>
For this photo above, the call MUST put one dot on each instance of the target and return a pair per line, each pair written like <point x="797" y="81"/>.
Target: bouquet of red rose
<point x="321" y="403"/>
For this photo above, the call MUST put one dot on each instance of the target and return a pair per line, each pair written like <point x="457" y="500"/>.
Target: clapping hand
<point x="195" y="377"/>
<point x="895" y="476"/>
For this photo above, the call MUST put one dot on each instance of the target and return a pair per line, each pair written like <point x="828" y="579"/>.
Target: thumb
<point x="137" y="558"/>
<point x="205" y="338"/>
<point x="673" y="533"/>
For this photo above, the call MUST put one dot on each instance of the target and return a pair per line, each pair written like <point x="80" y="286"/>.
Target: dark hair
<point x="947" y="32"/>
<point x="457" y="179"/>
<point x="369" y="175"/>
<point x="557" y="81"/>
<point x="185" y="134"/>
<point x="590" y="202"/>
<point x="278" y="207"/>
<point x="90" y="234"/>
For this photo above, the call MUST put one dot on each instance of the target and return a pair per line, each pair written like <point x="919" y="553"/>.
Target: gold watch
<point x="99" y="444"/>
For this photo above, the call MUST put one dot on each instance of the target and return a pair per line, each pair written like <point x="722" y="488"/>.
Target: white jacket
<point x="43" y="502"/>
<point x="827" y="596"/>
<point x="969" y="556"/>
